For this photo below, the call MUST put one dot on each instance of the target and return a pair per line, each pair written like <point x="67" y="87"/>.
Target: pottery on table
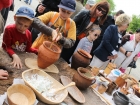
<point x="109" y="68"/>
<point x="80" y="58"/>
<point x="83" y="78"/>
<point x="124" y="90"/>
<point x="129" y="83"/>
<point x="102" y="87"/>
<point x="120" y="81"/>
<point x="111" y="87"/>
<point x="121" y="99"/>
<point x="95" y="71"/>
<point x="48" y="53"/>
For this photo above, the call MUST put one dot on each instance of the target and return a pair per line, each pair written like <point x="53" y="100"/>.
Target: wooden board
<point x="73" y="90"/>
<point x="32" y="64"/>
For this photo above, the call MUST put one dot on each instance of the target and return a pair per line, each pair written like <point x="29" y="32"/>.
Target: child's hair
<point x="138" y="30"/>
<point x="95" y="27"/>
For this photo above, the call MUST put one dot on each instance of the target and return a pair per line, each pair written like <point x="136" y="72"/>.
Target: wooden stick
<point x="60" y="29"/>
<point x="107" y="102"/>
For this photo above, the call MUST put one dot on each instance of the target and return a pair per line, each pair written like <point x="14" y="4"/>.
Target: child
<point x="62" y="22"/>
<point x="17" y="36"/>
<point x="86" y="43"/>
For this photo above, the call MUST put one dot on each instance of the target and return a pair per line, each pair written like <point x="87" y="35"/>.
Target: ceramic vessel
<point x="95" y="71"/>
<point x="83" y="78"/>
<point x="47" y="55"/>
<point x="80" y="58"/>
<point x="109" y="68"/>
<point x="124" y="90"/>
<point x="120" y="81"/>
<point x="111" y="87"/>
<point x="102" y="87"/>
<point x="121" y="99"/>
<point x="129" y="83"/>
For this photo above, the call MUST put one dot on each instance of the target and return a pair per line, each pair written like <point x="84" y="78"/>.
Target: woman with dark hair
<point x="84" y="21"/>
<point x="129" y="51"/>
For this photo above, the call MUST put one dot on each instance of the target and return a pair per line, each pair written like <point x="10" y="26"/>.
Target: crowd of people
<point x="71" y="26"/>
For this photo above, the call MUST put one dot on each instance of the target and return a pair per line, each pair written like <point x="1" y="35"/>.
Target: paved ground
<point x="135" y="72"/>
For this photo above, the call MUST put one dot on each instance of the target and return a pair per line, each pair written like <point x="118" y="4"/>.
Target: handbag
<point x="1" y="24"/>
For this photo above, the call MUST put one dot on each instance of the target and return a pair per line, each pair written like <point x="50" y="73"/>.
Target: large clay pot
<point x="80" y="58"/>
<point x="83" y="78"/>
<point x="47" y="55"/>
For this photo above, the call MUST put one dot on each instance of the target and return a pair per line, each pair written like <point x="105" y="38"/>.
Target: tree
<point x="135" y="23"/>
<point x="112" y="5"/>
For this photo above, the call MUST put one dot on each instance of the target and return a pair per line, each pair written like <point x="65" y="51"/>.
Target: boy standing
<point x="17" y="36"/>
<point x="62" y="21"/>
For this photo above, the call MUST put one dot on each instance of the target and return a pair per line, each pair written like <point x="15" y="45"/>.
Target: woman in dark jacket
<point x="111" y="41"/>
<point x="84" y="21"/>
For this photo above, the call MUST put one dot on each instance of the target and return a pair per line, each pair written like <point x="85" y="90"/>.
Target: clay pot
<point x="120" y="81"/>
<point x="121" y="99"/>
<point x="102" y="87"/>
<point x="95" y="71"/>
<point x="124" y="90"/>
<point x="111" y="88"/>
<point x="83" y="78"/>
<point x="109" y="68"/>
<point x="80" y="58"/>
<point x="47" y="55"/>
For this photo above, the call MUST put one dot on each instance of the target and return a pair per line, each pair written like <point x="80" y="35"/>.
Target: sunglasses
<point x="96" y="35"/>
<point x="102" y="11"/>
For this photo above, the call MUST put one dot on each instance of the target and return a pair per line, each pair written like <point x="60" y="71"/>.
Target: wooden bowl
<point x="20" y="95"/>
<point x="55" y="84"/>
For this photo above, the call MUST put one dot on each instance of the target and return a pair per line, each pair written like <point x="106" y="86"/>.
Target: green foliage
<point x="112" y="5"/>
<point x="135" y="23"/>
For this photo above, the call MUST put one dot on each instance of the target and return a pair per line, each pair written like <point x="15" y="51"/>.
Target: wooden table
<point x="64" y="69"/>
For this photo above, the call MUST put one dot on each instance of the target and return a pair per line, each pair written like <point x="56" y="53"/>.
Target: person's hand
<point x="56" y="35"/>
<point x="135" y="58"/>
<point x="3" y="74"/>
<point x="115" y="56"/>
<point x="41" y="8"/>
<point x="16" y="61"/>
<point x="128" y="54"/>
<point x="110" y="57"/>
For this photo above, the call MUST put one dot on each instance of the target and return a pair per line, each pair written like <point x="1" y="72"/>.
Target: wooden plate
<point x="32" y="64"/>
<point x="73" y="90"/>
